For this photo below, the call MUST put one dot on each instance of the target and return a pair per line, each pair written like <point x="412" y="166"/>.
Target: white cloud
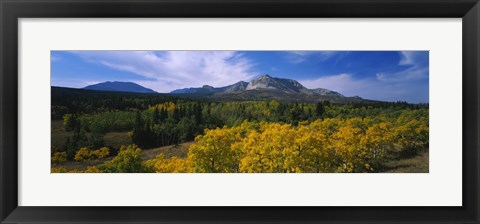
<point x="409" y="58"/>
<point x="416" y="68"/>
<point x="342" y="83"/>
<point x="405" y="85"/>
<point x="73" y="83"/>
<point x="296" y="57"/>
<point x="373" y="89"/>
<point x="165" y="71"/>
<point x="325" y="55"/>
<point x="168" y="70"/>
<point x="55" y="58"/>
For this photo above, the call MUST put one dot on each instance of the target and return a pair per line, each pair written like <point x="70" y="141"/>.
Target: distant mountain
<point x="265" y="82"/>
<point x="119" y="87"/>
<point x="287" y="86"/>
<point x="265" y="87"/>
<point x="239" y="86"/>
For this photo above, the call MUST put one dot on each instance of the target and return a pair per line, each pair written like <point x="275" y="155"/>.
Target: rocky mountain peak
<point x="264" y="82"/>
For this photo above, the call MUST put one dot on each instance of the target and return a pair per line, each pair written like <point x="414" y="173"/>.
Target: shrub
<point x="128" y="160"/>
<point x="59" y="157"/>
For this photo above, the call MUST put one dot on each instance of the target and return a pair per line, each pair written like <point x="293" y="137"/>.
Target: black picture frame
<point x="12" y="10"/>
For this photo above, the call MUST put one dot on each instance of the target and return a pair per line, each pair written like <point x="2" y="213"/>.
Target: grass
<point x="59" y="135"/>
<point x="117" y="139"/>
<point x="72" y="165"/>
<point x="416" y="164"/>
<point x="169" y="151"/>
<point x="114" y="139"/>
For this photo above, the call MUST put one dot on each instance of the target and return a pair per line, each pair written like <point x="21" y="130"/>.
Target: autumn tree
<point x="263" y="150"/>
<point x="213" y="152"/>
<point x="101" y="153"/>
<point x="82" y="154"/>
<point x="128" y="160"/>
<point x="171" y="165"/>
<point x="59" y="157"/>
<point x="70" y="122"/>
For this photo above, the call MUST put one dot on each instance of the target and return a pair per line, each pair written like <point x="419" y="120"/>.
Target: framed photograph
<point x="239" y="111"/>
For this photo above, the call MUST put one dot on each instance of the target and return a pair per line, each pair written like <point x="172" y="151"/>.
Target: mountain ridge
<point x="118" y="86"/>
<point x="264" y="87"/>
<point x="264" y="82"/>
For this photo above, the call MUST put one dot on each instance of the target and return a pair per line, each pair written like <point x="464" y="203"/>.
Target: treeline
<point x="170" y="123"/>
<point x="79" y="101"/>
<point x="323" y="145"/>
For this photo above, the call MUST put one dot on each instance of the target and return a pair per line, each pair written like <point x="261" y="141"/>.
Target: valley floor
<point x="416" y="164"/>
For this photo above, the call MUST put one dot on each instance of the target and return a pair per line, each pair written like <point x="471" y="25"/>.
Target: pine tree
<point x="156" y="116"/>
<point x="319" y="109"/>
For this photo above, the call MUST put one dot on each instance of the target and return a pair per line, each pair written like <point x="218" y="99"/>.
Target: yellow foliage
<point x="329" y="145"/>
<point x="86" y="154"/>
<point x="92" y="169"/>
<point x="58" y="170"/>
<point x="82" y="154"/>
<point x="338" y="144"/>
<point x="101" y="153"/>
<point x="128" y="160"/>
<point x="213" y="153"/>
<point x="59" y="157"/>
<point x="171" y="165"/>
<point x="264" y="150"/>
<point x="169" y="106"/>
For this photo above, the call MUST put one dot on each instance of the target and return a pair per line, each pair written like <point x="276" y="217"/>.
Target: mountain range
<point x="264" y="87"/>
<point x="265" y="82"/>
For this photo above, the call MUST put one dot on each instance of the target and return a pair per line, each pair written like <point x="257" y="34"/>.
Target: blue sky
<point x="379" y="75"/>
